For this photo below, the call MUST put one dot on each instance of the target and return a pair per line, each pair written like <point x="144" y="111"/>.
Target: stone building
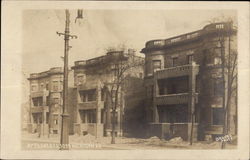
<point x="92" y="77"/>
<point x="46" y="100"/>
<point x="183" y="77"/>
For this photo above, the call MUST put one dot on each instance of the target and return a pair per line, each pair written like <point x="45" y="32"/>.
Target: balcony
<point x="38" y="109"/>
<point x="180" y="98"/>
<point x="39" y="93"/>
<point x="89" y="105"/>
<point x="176" y="71"/>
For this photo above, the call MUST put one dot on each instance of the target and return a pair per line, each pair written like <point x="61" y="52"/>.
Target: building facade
<point x="46" y="101"/>
<point x="183" y="80"/>
<point x="93" y="80"/>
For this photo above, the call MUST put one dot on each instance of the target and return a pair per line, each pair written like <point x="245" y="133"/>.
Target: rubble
<point x="176" y="140"/>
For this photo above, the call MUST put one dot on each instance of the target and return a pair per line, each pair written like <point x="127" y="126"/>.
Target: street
<point x="89" y="142"/>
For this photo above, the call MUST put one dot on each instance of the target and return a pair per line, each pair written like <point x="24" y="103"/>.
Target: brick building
<point x="46" y="100"/>
<point x="183" y="75"/>
<point x="92" y="114"/>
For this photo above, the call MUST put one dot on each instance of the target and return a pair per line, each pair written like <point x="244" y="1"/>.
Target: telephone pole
<point x="64" y="140"/>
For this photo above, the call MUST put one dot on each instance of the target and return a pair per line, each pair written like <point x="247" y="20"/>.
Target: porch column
<point x="78" y="119"/>
<point x="44" y="121"/>
<point x="98" y="103"/>
<point x="156" y="93"/>
<point x="31" y="105"/>
<point x="192" y="131"/>
<point x="192" y="84"/>
<point x="108" y="107"/>
<point x="31" y="119"/>
<point x="121" y="112"/>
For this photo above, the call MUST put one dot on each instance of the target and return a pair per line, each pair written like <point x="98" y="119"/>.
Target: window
<point x="217" y="60"/>
<point x="55" y="121"/>
<point x="56" y="100"/>
<point x="218" y="87"/>
<point x="172" y="89"/>
<point x="217" y="116"/>
<point x="33" y="88"/>
<point x="47" y="117"/>
<point x="189" y="59"/>
<point x="140" y="75"/>
<point x="92" y="95"/>
<point x="88" y="116"/>
<point x="156" y="64"/>
<point x="175" y="59"/>
<point x="41" y="86"/>
<point x="102" y="95"/>
<point x="55" y="86"/>
<point x="37" y="101"/>
<point x="81" y="79"/>
<point x="83" y="96"/>
<point x="47" y="86"/>
<point x="88" y="95"/>
<point x="47" y="100"/>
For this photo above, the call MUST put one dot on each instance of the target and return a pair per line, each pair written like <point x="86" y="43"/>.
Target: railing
<point x="95" y="60"/>
<point x="38" y="109"/>
<point x="176" y="71"/>
<point x="34" y="75"/>
<point x="179" y="98"/>
<point x="39" y="93"/>
<point x="189" y="36"/>
<point x="56" y="70"/>
<point x="80" y="63"/>
<point x="90" y="105"/>
<point x="46" y="73"/>
<point x="170" y="41"/>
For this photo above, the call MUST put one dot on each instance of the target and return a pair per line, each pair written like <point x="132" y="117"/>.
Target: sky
<point x="42" y="48"/>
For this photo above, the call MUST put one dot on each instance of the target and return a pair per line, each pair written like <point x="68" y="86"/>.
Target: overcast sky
<point x="100" y="29"/>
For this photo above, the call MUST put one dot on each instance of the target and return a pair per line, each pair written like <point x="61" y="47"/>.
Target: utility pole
<point x="64" y="140"/>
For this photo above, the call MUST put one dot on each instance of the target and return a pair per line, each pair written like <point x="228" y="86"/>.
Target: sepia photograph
<point x="116" y="78"/>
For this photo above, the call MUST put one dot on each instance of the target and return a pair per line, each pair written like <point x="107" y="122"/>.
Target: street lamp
<point x="64" y="140"/>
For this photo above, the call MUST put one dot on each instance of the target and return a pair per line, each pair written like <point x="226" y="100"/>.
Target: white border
<point x="11" y="89"/>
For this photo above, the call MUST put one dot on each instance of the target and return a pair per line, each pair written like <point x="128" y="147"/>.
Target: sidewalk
<point x="91" y="142"/>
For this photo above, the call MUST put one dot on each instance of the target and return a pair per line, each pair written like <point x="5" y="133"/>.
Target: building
<point x="95" y="82"/>
<point x="46" y="101"/>
<point x="184" y="83"/>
